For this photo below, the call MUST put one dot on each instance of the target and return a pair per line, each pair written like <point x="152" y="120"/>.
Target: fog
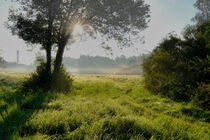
<point x="88" y="65"/>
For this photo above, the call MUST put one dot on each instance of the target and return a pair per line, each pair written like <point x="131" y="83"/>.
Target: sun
<point x="78" y="29"/>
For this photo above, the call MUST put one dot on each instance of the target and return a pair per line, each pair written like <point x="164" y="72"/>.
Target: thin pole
<point x="17" y="56"/>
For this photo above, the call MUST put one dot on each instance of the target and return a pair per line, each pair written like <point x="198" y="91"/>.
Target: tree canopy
<point x="203" y="14"/>
<point x="52" y="22"/>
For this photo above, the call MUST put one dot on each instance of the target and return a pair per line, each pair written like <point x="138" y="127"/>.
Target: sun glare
<point x="78" y="29"/>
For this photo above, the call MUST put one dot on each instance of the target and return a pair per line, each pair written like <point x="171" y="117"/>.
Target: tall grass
<point x="100" y="107"/>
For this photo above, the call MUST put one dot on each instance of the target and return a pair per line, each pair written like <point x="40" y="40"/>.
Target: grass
<point x="98" y="107"/>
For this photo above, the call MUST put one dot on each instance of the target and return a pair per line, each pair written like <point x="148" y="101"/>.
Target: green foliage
<point x="38" y="79"/>
<point x="164" y="73"/>
<point x="61" y="82"/>
<point x="190" y="113"/>
<point x="178" y="68"/>
<point x="202" y="96"/>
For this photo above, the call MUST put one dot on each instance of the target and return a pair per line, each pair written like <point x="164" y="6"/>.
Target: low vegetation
<point x="59" y="82"/>
<point x="98" y="107"/>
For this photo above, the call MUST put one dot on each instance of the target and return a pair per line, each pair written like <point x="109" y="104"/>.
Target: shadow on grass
<point x="17" y="110"/>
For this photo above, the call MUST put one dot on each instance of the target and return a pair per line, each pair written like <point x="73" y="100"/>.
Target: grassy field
<point x="98" y="107"/>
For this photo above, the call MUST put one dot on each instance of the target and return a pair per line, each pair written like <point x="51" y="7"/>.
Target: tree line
<point x="86" y="61"/>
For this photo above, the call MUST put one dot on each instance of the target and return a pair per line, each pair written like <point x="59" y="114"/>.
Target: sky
<point x="166" y="16"/>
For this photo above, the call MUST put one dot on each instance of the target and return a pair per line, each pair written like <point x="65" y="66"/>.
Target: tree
<point x="118" y="20"/>
<point x="203" y="14"/>
<point x="33" y="22"/>
<point x="111" y="19"/>
<point x="2" y="62"/>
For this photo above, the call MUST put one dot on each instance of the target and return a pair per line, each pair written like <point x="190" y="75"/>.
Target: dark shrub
<point x="202" y="96"/>
<point x="41" y="79"/>
<point x="179" y="69"/>
<point x="38" y="79"/>
<point x="164" y="72"/>
<point x="62" y="81"/>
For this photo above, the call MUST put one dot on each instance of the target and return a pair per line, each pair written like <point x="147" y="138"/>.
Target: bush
<point x="164" y="75"/>
<point x="38" y="79"/>
<point x="62" y="81"/>
<point x="179" y="69"/>
<point x="41" y="79"/>
<point x="202" y="96"/>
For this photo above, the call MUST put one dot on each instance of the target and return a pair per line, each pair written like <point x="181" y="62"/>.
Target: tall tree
<point x="203" y="14"/>
<point x="119" y="20"/>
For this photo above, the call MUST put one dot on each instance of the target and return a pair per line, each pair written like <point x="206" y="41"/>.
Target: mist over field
<point x="88" y="65"/>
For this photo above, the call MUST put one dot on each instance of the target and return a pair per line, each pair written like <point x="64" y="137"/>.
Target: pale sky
<point x="166" y="16"/>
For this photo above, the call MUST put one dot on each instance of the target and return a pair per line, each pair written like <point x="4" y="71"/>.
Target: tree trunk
<point x="59" y="59"/>
<point x="48" y="55"/>
<point x="49" y="41"/>
<point x="59" y="56"/>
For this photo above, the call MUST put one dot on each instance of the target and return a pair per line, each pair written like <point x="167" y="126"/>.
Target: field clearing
<point x="98" y="107"/>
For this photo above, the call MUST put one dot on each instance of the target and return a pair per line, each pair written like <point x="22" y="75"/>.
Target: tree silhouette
<point x="33" y="22"/>
<point x="52" y="22"/>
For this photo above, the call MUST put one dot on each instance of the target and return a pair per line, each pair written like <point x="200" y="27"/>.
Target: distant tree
<point x="52" y="21"/>
<point x="132" y="60"/>
<point x="203" y="14"/>
<point x="122" y="60"/>
<point x="2" y="62"/>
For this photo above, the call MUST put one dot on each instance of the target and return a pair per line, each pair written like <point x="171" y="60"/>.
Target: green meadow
<point x="99" y="107"/>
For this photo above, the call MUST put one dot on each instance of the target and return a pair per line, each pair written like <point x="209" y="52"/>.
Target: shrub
<point x="38" y="79"/>
<point x="62" y="81"/>
<point x="41" y="79"/>
<point x="164" y="75"/>
<point x="179" y="69"/>
<point x="202" y="96"/>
